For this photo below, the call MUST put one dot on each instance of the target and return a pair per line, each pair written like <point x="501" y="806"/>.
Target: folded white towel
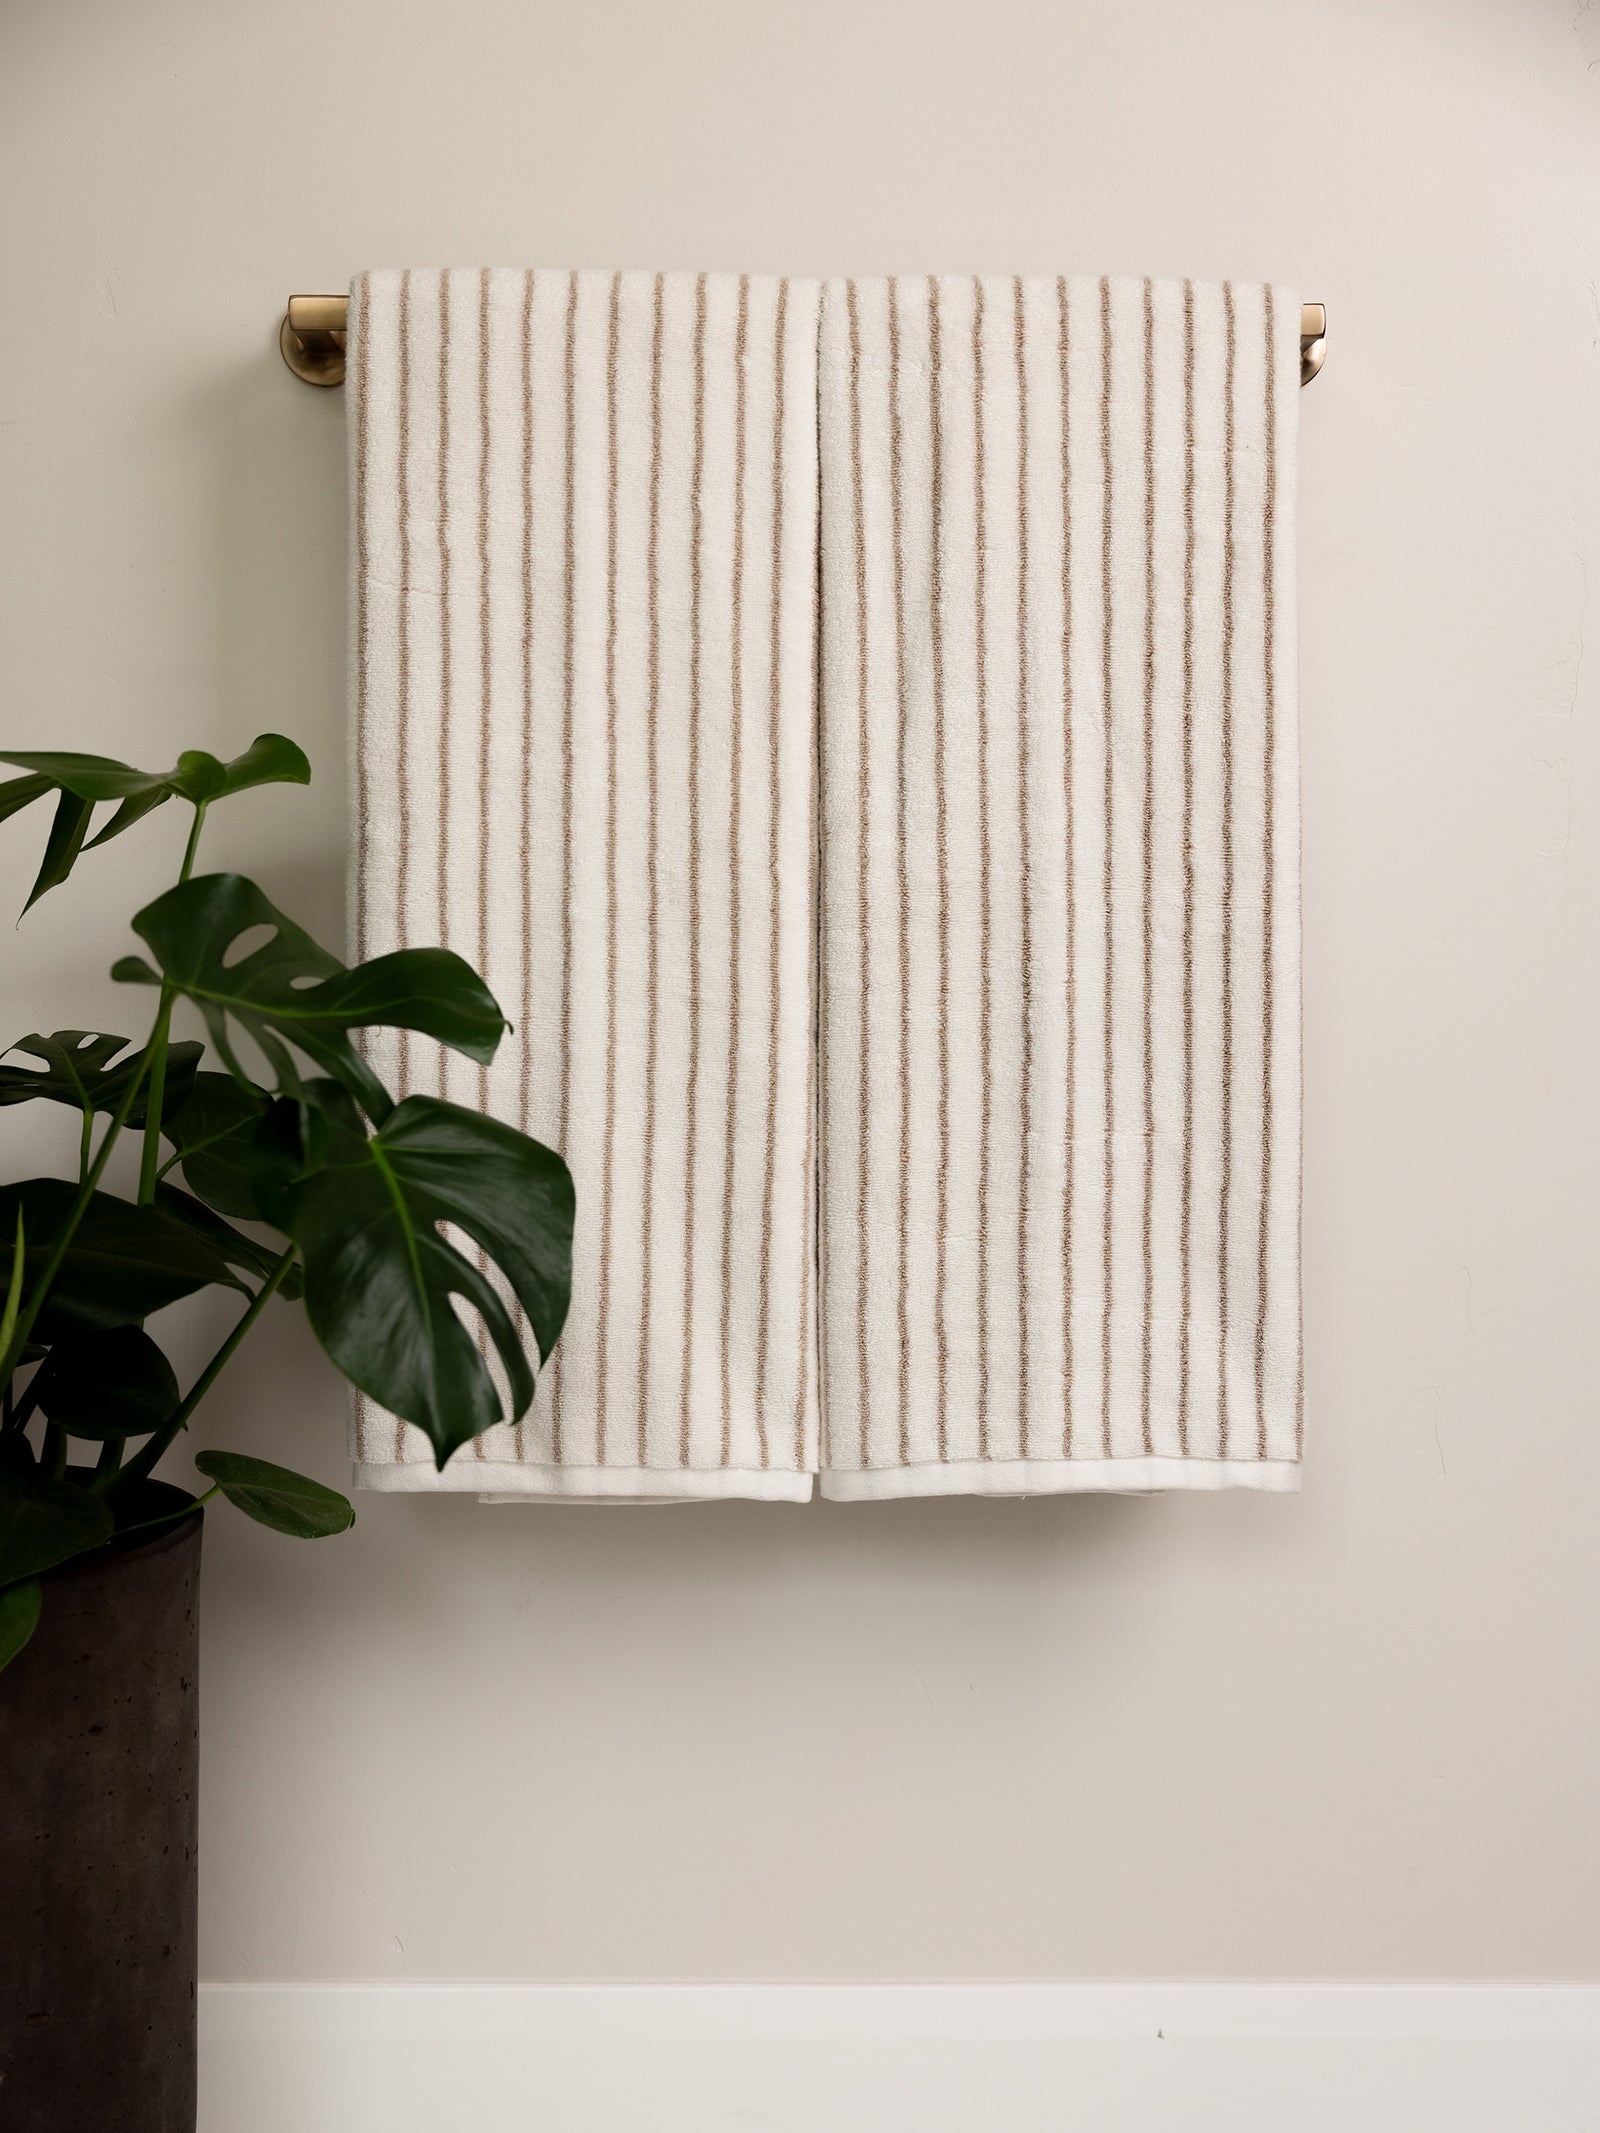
<point x="583" y="632"/>
<point x="1060" y="828"/>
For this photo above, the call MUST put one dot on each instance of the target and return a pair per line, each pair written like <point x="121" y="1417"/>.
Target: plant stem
<point x="159" y="1036"/>
<point x="153" y="1064"/>
<point x="41" y="1288"/>
<point x="155" y="1098"/>
<point x="85" y="1145"/>
<point x="145" y="1458"/>
<point x="54" y="1459"/>
<point x="110" y="1456"/>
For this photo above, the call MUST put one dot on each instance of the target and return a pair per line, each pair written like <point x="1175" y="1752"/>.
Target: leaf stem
<point x="54" y="1458"/>
<point x="144" y="1460"/>
<point x="189" y="849"/>
<point x="165" y="1518"/>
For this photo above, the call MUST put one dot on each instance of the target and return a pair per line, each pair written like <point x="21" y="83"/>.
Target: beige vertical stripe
<point x="692" y="1089"/>
<point x="525" y="754"/>
<point x="985" y="981"/>
<point x="608" y="1144"/>
<point x="1223" y="1208"/>
<point x="735" y="777"/>
<point x="1269" y="697"/>
<point x="863" y="915"/>
<point x="1069" y="1154"/>
<point x="809" y="1270"/>
<point x="1024" y="713"/>
<point x="525" y="760"/>
<point x="568" y="629"/>
<point x="1186" y="1210"/>
<point x="774" y="886"/>
<point x="652" y="868"/>
<point x="1105" y="883"/>
<point x="903" y="882"/>
<point x="363" y="628"/>
<point x="445" y="674"/>
<point x="1148" y="884"/>
<point x="942" y="833"/>
<point x="363" y="369"/>
<point x="484" y="669"/>
<point x="403" y="721"/>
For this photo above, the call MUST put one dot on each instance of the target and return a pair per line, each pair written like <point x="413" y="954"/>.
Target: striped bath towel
<point x="583" y="630"/>
<point x="1060" y="1184"/>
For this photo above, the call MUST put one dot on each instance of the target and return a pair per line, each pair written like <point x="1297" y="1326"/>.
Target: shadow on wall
<point x="418" y="1564"/>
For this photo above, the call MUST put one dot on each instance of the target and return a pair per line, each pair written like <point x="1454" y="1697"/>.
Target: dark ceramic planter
<point x="98" y="1792"/>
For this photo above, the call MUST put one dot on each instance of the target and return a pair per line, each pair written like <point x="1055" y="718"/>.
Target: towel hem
<point x="1057" y="1477"/>
<point x="509" y="1481"/>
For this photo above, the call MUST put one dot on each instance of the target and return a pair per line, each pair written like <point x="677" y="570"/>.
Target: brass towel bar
<point x="312" y="338"/>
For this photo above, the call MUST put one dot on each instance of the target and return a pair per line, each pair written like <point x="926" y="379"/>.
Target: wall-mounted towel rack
<point x="1313" y="340"/>
<point x="312" y="338"/>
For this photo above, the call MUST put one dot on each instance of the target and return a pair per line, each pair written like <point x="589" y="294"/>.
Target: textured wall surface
<point x="1349" y="1734"/>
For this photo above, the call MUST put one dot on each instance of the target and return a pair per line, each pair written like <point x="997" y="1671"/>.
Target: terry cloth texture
<point x="583" y="754"/>
<point x="1060" y="1033"/>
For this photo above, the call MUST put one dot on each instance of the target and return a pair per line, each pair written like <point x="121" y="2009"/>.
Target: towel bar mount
<point x="312" y="338"/>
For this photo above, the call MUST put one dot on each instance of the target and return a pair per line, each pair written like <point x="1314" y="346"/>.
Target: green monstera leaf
<point x="287" y="990"/>
<point x="381" y="1278"/>
<point x="112" y="1384"/>
<point x="277" y="1497"/>
<point x="212" y="1134"/>
<point x="85" y="782"/>
<point x="92" y="1072"/>
<point x="123" y="1262"/>
<point x="244" y="1254"/>
<point x="44" y="1522"/>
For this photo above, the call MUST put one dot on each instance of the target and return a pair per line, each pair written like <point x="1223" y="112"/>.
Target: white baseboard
<point x="899" y="2059"/>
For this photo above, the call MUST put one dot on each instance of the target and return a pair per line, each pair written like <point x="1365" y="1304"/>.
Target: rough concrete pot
<point x="98" y="1793"/>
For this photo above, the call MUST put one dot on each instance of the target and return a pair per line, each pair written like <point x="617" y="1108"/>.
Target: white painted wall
<point x="1351" y="1735"/>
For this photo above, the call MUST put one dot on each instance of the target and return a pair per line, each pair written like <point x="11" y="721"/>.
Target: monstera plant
<point x="292" y="1134"/>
